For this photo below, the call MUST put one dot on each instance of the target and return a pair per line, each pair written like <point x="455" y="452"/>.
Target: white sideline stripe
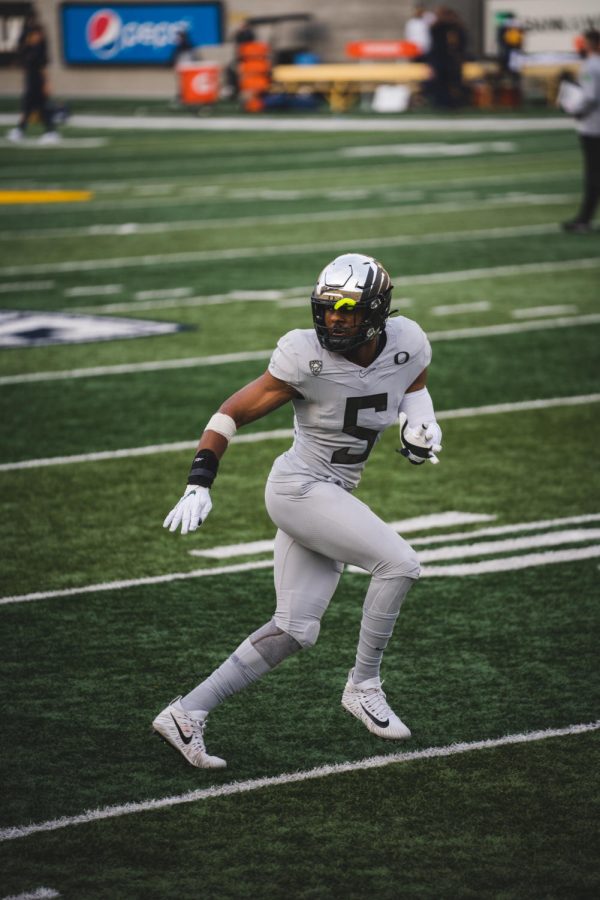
<point x="42" y="893"/>
<point x="246" y="356"/>
<point x="191" y="256"/>
<point x="137" y="228"/>
<point x="492" y="565"/>
<point x="277" y="433"/>
<point x="511" y="563"/>
<point x="334" y="124"/>
<point x="506" y="529"/>
<point x="17" y="286"/>
<point x="543" y="311"/>
<point x="242" y="787"/>
<point x="417" y="523"/>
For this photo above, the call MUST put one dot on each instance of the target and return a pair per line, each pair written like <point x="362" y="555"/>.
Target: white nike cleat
<point x="185" y="730"/>
<point x="367" y="702"/>
<point x="15" y="135"/>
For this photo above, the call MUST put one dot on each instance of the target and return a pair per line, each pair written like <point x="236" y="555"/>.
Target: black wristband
<point x="204" y="468"/>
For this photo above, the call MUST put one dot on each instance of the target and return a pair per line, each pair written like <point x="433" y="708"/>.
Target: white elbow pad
<point x="222" y="424"/>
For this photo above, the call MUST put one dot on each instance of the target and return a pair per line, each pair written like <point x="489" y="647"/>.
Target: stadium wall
<point x="333" y="25"/>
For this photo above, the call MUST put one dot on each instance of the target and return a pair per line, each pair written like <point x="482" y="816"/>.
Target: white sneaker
<point x="15" y="135"/>
<point x="367" y="702"/>
<point x="49" y="137"/>
<point x="185" y="730"/>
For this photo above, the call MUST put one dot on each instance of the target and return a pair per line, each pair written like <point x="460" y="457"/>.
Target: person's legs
<point x="305" y="581"/>
<point x="590" y="146"/>
<point x="326" y="518"/>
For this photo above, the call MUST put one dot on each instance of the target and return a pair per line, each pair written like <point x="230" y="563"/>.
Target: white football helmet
<point x="353" y="281"/>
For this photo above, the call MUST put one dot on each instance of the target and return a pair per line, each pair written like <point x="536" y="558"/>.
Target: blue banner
<point x="135" y="33"/>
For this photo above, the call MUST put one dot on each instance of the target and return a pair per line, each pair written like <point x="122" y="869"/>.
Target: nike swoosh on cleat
<point x="375" y="720"/>
<point x="186" y="740"/>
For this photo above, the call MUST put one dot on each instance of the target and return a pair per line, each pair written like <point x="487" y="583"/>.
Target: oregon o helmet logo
<point x="103" y="32"/>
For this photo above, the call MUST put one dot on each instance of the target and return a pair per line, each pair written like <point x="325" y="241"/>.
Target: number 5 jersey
<point x="344" y="408"/>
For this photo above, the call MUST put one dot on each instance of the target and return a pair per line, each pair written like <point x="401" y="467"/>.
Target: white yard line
<point x="503" y="564"/>
<point x="130" y="368"/>
<point x="18" y="286"/>
<point x="164" y="293"/>
<point x="197" y="256"/>
<point x="510" y="545"/>
<point x="505" y="529"/>
<point x="531" y="311"/>
<point x="93" y="290"/>
<point x="224" y="191"/>
<point x="416" y="523"/>
<point x="41" y="893"/>
<point x="420" y="523"/>
<point x="512" y="327"/>
<point x="137" y="582"/>
<point x="242" y="787"/>
<point x="542" y="268"/>
<point x="453" y="309"/>
<point x="511" y="563"/>
<point x="246" y="356"/>
<point x="124" y="229"/>
<point x="276" y="434"/>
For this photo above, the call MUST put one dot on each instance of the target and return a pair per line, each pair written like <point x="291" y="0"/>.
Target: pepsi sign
<point x="135" y="33"/>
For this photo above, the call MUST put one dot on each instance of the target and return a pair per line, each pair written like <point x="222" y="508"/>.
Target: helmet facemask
<point x="356" y="282"/>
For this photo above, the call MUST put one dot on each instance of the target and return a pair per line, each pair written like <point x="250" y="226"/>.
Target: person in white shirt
<point x="416" y="30"/>
<point x="348" y="378"/>
<point x="584" y="105"/>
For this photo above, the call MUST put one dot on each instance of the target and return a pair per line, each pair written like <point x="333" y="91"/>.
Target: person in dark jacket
<point x="446" y="57"/>
<point x="33" y="56"/>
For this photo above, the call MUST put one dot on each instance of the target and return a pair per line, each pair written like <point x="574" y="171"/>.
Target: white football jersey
<point x="344" y="408"/>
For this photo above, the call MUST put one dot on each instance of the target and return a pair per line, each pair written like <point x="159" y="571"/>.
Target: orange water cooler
<point x="199" y="82"/>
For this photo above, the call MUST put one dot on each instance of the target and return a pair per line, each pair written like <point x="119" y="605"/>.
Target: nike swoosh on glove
<point x="420" y="443"/>
<point x="191" y="510"/>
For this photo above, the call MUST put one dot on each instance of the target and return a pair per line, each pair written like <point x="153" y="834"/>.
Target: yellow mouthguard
<point x="345" y="301"/>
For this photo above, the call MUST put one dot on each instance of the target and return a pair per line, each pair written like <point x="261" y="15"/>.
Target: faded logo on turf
<point x="37" y="329"/>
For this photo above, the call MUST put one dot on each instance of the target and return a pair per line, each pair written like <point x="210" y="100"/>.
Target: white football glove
<point x="191" y="511"/>
<point x="421" y="443"/>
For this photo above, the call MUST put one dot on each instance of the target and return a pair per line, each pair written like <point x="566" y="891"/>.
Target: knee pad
<point x="304" y="631"/>
<point x="274" y="644"/>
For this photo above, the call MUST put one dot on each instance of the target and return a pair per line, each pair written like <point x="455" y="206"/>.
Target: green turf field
<point x="223" y="234"/>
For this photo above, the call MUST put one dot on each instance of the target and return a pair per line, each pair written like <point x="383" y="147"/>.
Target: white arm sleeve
<point x="418" y="407"/>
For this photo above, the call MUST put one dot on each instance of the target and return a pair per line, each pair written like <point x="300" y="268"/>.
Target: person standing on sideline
<point x="446" y="57"/>
<point x="33" y="54"/>
<point x="348" y="378"/>
<point x="585" y="107"/>
<point x="417" y="30"/>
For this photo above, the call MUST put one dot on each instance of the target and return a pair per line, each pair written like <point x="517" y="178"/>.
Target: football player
<point x="348" y="379"/>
